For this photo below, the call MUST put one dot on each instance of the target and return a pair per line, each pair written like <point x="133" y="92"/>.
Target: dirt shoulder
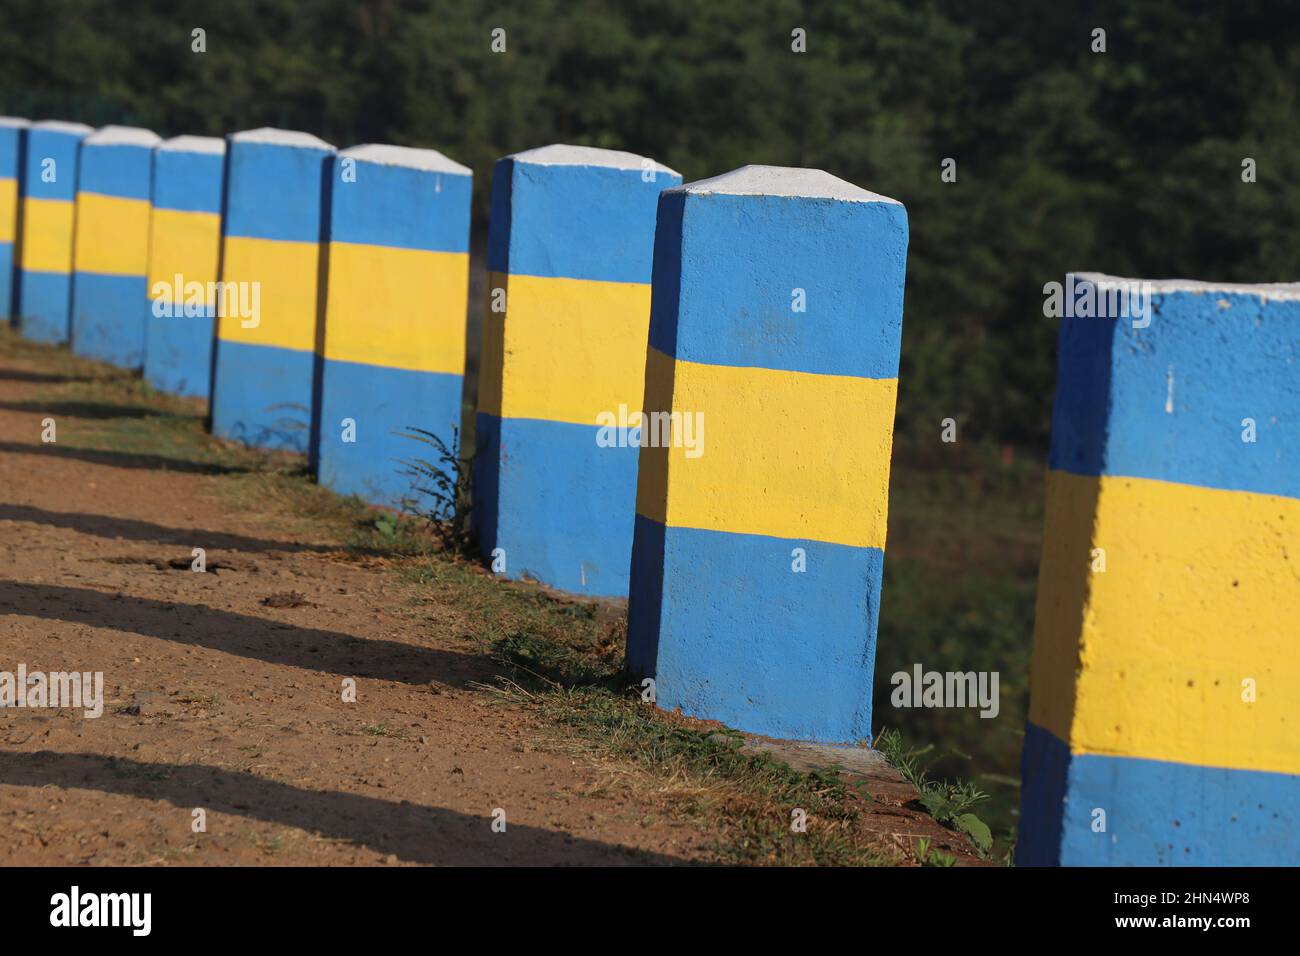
<point x="224" y="691"/>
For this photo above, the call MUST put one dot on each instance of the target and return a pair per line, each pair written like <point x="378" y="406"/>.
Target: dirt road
<point x="333" y="688"/>
<point x="219" y="703"/>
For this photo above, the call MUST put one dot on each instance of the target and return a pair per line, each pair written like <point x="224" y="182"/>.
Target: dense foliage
<point x="1128" y="161"/>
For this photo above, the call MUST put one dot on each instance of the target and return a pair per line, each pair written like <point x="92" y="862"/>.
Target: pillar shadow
<point x="119" y="459"/>
<point x="43" y="378"/>
<point x="90" y="410"/>
<point x="322" y="309"/>
<point x="420" y="834"/>
<point x="1080" y="424"/>
<point x="107" y="526"/>
<point x="245" y="635"/>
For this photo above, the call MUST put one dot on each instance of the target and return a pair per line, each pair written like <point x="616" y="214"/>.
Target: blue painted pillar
<point x="1164" y="707"/>
<point x="394" y="344"/>
<point x="48" y="186"/>
<point x="12" y="134"/>
<point x="184" y="252"/>
<point x="272" y="275"/>
<point x="111" y="257"/>
<point x="763" y="488"/>
<point x="569" y="252"/>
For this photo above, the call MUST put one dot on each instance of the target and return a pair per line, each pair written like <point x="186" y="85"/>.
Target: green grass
<point x="958" y="595"/>
<point x="564" y="657"/>
<point x="699" y="771"/>
<point x="951" y="803"/>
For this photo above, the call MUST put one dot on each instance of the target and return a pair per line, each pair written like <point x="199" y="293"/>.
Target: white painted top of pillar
<point x="194" y="144"/>
<point x="14" y="121"/>
<point x="63" y="126"/>
<point x="429" y="160"/>
<point x="561" y="155"/>
<point x="791" y="181"/>
<point x="123" y="136"/>
<point x="280" y="137"/>
<point x="1289" y="291"/>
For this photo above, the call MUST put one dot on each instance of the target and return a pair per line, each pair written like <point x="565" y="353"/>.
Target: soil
<point x="224" y="692"/>
<point x="226" y="736"/>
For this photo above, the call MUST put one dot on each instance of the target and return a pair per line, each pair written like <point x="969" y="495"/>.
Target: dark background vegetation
<point x="1126" y="162"/>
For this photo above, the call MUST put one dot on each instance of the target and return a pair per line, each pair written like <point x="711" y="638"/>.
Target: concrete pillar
<point x="49" y="191"/>
<point x="111" y="250"/>
<point x="762" y="495"/>
<point x="569" y="253"/>
<point x="274" y="279"/>
<point x="12" y="133"/>
<point x="394" y="341"/>
<point x="184" y="252"/>
<point x="1163" y="724"/>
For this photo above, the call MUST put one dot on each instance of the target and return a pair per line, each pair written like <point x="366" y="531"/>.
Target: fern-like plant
<point x="441" y="487"/>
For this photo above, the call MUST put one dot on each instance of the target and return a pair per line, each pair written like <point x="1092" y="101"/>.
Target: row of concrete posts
<point x="686" y="397"/>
